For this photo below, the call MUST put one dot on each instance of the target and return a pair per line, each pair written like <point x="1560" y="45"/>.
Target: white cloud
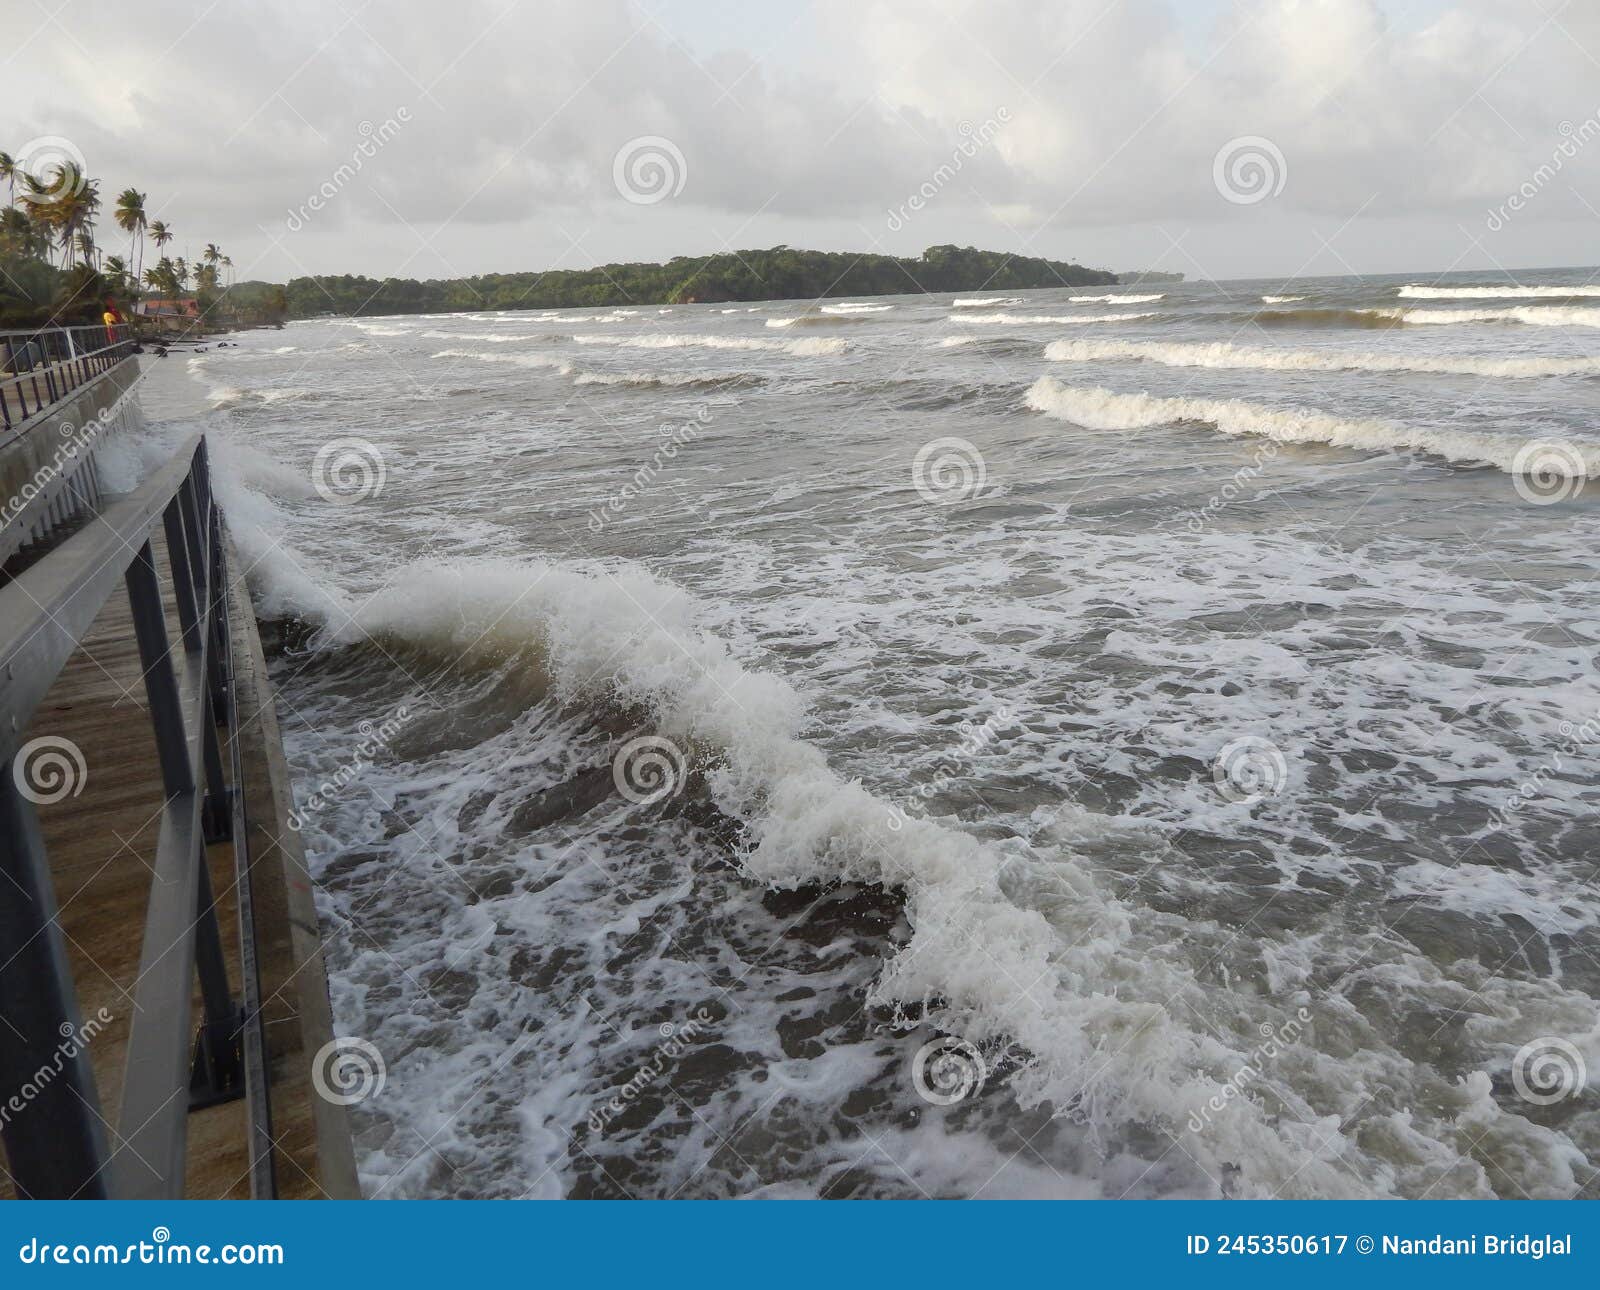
<point x="233" y="116"/>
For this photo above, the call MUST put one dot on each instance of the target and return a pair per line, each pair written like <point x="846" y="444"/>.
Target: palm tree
<point x="131" y="220"/>
<point x="23" y="235"/>
<point x="227" y="263"/>
<point x="8" y="172"/>
<point x="84" y="241"/>
<point x="116" y="269"/>
<point x="65" y="204"/>
<point x="160" y="232"/>
<point x="211" y="254"/>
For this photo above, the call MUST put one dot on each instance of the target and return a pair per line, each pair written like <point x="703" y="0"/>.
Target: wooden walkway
<point x="101" y="842"/>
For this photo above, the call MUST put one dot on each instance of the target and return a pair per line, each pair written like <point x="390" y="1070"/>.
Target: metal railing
<point x="60" y="1147"/>
<point x="44" y="365"/>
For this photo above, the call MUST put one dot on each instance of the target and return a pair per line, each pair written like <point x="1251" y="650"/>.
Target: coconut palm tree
<point x="65" y="203"/>
<point x="84" y="241"/>
<point x="116" y="271"/>
<point x="160" y="232"/>
<point x="227" y="263"/>
<point x="131" y="220"/>
<point x="8" y="172"/>
<point x="23" y="235"/>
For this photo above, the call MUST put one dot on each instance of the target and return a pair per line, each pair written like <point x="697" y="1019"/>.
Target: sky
<point x="1217" y="138"/>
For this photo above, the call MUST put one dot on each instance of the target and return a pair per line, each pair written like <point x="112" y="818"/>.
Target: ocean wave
<point x="520" y="360"/>
<point x="1096" y="408"/>
<point x="1112" y="300"/>
<point x="1221" y="354"/>
<point x="1030" y="320"/>
<point x="1321" y="317"/>
<point x="819" y="320"/>
<point x="669" y="380"/>
<point x="231" y="395"/>
<point x="494" y="337"/>
<point x="679" y="341"/>
<point x="1095" y="1033"/>
<point x="1280" y="300"/>
<point x="853" y="307"/>
<point x="1533" y="315"/>
<point x="1415" y="291"/>
<point x="986" y="302"/>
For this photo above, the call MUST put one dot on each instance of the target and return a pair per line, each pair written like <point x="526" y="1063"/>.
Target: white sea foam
<point x="1113" y="299"/>
<point x="1414" y="291"/>
<point x="1533" y="315"/>
<point x="1101" y="1043"/>
<point x="1280" y="300"/>
<point x="981" y="302"/>
<point x="681" y="341"/>
<point x="1100" y="409"/>
<point x="1222" y="354"/>
<point x="494" y="337"/>
<point x="856" y="307"/>
<point x="229" y="395"/>
<point x="1031" y="320"/>
<point x="521" y="360"/>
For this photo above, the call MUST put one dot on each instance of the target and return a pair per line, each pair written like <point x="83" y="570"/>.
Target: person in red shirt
<point x="113" y="321"/>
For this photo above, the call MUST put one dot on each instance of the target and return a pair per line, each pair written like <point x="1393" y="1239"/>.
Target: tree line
<point x="778" y="273"/>
<point x="53" y="268"/>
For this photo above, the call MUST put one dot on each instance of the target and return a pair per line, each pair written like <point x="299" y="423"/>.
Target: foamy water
<point x="1186" y="720"/>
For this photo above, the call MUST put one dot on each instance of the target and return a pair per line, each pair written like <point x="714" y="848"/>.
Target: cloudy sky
<point x="1221" y="138"/>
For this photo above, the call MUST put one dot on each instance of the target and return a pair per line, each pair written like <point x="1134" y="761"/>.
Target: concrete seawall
<point x="45" y="481"/>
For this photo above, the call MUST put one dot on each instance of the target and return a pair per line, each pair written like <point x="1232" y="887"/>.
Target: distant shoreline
<point x="777" y="273"/>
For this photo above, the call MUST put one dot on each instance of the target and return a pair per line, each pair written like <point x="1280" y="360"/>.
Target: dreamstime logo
<point x="949" y="470"/>
<point x="1248" y="770"/>
<point x="56" y="164"/>
<point x="947" y="1070"/>
<point x="348" y="470"/>
<point x="373" y="139"/>
<point x="1545" y="473"/>
<point x="1573" y="140"/>
<point x="673" y="438"/>
<point x="1233" y="488"/>
<point x="648" y="769"/>
<point x="373" y="740"/>
<point x="1547" y="1071"/>
<point x="347" y="1070"/>
<point x="648" y="170"/>
<point x="974" y="739"/>
<point x="1248" y="170"/>
<point x="49" y="769"/>
<point x="675" y="1040"/>
<point x="973" y="138"/>
<point x="1275" y="1038"/>
<point x="74" y="1041"/>
<point x="1576" y="739"/>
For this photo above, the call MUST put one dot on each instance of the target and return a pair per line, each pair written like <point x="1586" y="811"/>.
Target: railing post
<point x="56" y="1142"/>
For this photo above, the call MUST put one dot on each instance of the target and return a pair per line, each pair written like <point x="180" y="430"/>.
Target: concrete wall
<point x="46" y="465"/>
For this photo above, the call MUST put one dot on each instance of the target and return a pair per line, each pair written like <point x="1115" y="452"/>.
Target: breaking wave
<point x="1096" y="408"/>
<point x="1413" y="291"/>
<point x="680" y="341"/>
<point x="1043" y="319"/>
<point x="1221" y="354"/>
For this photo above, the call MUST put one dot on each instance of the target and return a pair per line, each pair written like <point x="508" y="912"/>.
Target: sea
<point x="1095" y="742"/>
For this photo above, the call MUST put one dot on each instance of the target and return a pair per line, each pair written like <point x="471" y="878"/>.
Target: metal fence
<point x="60" y="1147"/>
<point x="44" y="365"/>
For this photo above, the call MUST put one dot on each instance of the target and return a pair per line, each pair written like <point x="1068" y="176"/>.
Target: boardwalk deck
<point x="101" y="843"/>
